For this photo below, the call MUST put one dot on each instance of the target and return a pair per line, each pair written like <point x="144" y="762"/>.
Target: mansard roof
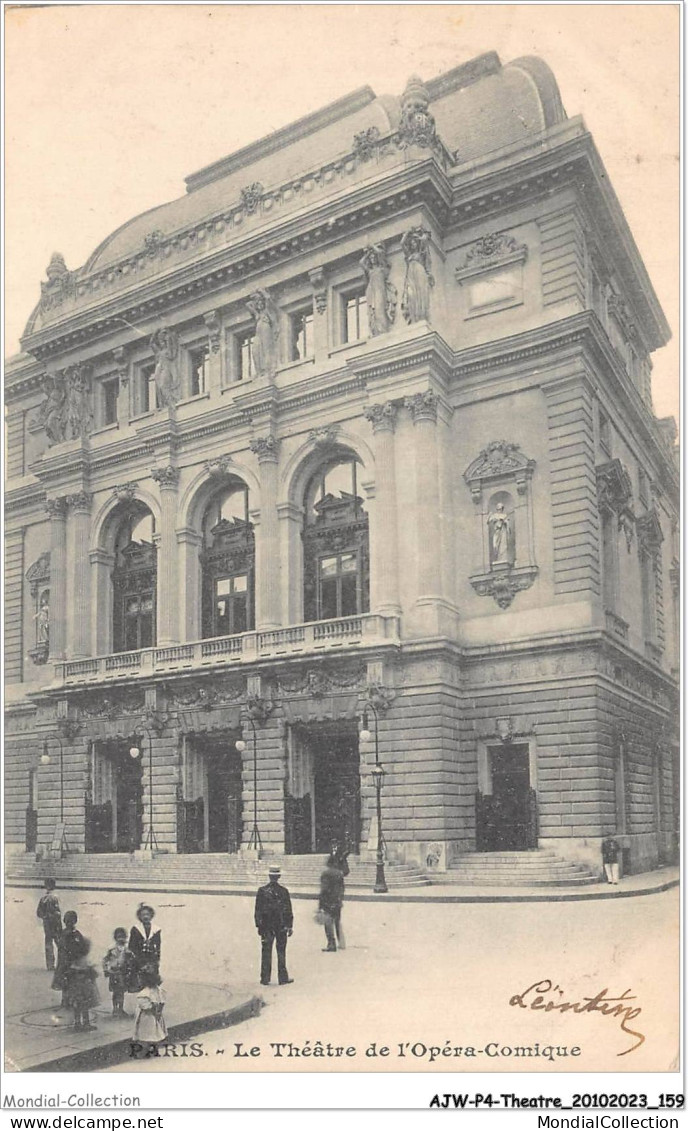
<point x="479" y="107"/>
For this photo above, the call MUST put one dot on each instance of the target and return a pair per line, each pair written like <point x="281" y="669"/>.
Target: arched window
<point x="134" y="581"/>
<point x="335" y="544"/>
<point x="227" y="562"/>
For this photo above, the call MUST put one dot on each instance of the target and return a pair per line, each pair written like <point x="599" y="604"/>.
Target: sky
<point x="108" y="107"/>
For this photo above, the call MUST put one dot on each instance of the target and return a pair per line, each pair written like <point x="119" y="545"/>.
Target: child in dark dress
<point x="70" y="940"/>
<point x="82" y="991"/>
<point x="118" y="966"/>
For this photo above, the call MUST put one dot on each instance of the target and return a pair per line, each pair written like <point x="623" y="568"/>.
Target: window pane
<point x="349" y="604"/>
<point x="348" y="563"/>
<point x="354" y="318"/>
<point x="132" y="606"/>
<point x="328" y="567"/>
<point x="223" y="586"/>
<point x="239" y="614"/>
<point x="239" y="584"/>
<point x="245" y="357"/>
<point x="131" y="634"/>
<point x="199" y="364"/>
<point x="328" y="599"/>
<point x="145" y="374"/>
<point x="110" y="394"/>
<point x="301" y="336"/>
<point x="222" y="617"/>
<point x="146" y="631"/>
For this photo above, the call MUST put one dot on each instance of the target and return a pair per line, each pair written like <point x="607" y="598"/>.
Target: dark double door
<point x="506" y="818"/>
<point x="329" y="809"/>
<point x="211" y="821"/>
<point x="114" y="801"/>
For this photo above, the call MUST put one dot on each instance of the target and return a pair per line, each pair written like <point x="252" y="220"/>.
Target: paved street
<point x="430" y="975"/>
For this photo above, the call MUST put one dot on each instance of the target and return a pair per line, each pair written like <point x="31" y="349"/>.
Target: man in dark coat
<point x="48" y="911"/>
<point x="330" y="903"/>
<point x="274" y="922"/>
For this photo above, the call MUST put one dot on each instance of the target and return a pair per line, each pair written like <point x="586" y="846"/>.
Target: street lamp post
<point x="378" y="772"/>
<point x="255" y="843"/>
<point x="150" y="844"/>
<point x="45" y="761"/>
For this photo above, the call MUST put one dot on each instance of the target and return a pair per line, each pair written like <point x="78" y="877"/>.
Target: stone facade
<point x="374" y="437"/>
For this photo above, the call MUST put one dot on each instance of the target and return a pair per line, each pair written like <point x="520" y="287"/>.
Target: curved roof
<point x="479" y="107"/>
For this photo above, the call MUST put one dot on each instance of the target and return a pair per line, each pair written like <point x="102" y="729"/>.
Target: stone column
<point x="102" y="565"/>
<point x="168" y="598"/>
<point x="214" y="327"/>
<point x="382" y="417"/>
<point x="57" y="509"/>
<point x="80" y="504"/>
<point x="423" y="409"/>
<point x="290" y="518"/>
<point x="189" y="543"/>
<point x="267" y="541"/>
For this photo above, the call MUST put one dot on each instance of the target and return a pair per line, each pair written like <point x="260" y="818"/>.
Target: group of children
<point x="131" y="965"/>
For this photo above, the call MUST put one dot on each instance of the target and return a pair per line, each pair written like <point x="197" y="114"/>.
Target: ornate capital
<point x="321" y="437"/>
<point x="318" y="281"/>
<point x="423" y="406"/>
<point x="57" y="508"/>
<point x="125" y="492"/>
<point x="218" y="467"/>
<point x="381" y="416"/>
<point x="166" y="477"/>
<point x="213" y="326"/>
<point x="650" y="535"/>
<point x="266" y="448"/>
<point x="80" y="501"/>
<point x="614" y="488"/>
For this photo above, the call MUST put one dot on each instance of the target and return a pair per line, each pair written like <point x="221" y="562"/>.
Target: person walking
<point x="611" y="850"/>
<point x="274" y="921"/>
<point x="48" y="911"/>
<point x="330" y="903"/>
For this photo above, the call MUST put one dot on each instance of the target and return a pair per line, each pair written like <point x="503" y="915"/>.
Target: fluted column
<point x="382" y="417"/>
<point x="57" y="509"/>
<point x="423" y="409"/>
<point x="80" y="505"/>
<point x="167" y="479"/>
<point x="267" y="541"/>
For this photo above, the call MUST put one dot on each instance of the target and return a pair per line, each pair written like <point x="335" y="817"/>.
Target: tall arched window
<point x="335" y="544"/>
<point x="134" y="581"/>
<point x="227" y="562"/>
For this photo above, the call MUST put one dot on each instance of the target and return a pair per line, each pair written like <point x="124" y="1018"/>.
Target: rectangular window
<point x="301" y="335"/>
<point x="605" y="433"/>
<point x="109" y="393"/>
<point x="244" y="364"/>
<point x="198" y="370"/>
<point x="354" y="317"/>
<point x="143" y="384"/>
<point x="230" y="605"/>
<point x="338" y="586"/>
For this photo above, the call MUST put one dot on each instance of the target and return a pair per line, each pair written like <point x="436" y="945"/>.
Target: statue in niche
<point x="42" y="619"/>
<point x="501" y="536"/>
<point x="415" y="303"/>
<point x="267" y="331"/>
<point x="381" y="295"/>
<point x="77" y="409"/>
<point x="165" y="346"/>
<point x="53" y="408"/>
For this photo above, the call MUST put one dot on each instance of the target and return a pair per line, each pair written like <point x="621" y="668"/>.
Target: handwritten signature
<point x="548" y="996"/>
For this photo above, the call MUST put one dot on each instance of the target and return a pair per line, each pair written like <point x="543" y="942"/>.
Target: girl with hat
<point x="144" y="943"/>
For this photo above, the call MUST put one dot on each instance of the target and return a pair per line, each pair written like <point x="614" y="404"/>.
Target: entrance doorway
<point x="114" y="801"/>
<point x="210" y="811"/>
<point x="323" y="788"/>
<point x="506" y="814"/>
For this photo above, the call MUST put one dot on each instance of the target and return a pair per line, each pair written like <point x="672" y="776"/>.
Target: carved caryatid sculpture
<point x="52" y="414"/>
<point x="77" y="410"/>
<point x="165" y="346"/>
<point x="381" y="295"/>
<point x="415" y="302"/>
<point x="501" y="536"/>
<point x="266" y="333"/>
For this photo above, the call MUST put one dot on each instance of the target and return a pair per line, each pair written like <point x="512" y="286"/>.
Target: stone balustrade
<point x="316" y="637"/>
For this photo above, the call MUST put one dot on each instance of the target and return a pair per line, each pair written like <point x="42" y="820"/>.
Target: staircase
<point x="539" y="867"/>
<point x="206" y="871"/>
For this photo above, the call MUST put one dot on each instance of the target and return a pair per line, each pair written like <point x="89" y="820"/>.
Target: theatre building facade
<point x="358" y="430"/>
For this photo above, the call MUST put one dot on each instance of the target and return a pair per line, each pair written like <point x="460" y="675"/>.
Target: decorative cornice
<point x="492" y="249"/>
<point x="499" y="459"/>
<point x="614" y="487"/>
<point x="423" y="406"/>
<point x="381" y="416"/>
<point x="266" y="448"/>
<point x="166" y="477"/>
<point x="503" y="585"/>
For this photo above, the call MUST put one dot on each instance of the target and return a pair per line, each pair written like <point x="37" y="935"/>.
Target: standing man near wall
<point x="274" y="921"/>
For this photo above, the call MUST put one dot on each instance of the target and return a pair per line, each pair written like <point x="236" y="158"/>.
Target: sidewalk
<point x="647" y="883"/>
<point x="39" y="1035"/>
